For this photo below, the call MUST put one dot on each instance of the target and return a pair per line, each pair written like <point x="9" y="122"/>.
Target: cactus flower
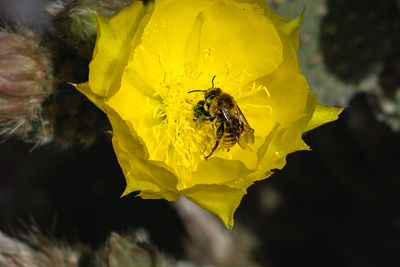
<point x="147" y="59"/>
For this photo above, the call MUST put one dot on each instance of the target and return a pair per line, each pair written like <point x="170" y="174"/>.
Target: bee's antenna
<point x="196" y="91"/>
<point x="212" y="81"/>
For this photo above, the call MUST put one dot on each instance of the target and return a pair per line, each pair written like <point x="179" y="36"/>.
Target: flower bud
<point x="129" y="250"/>
<point x="25" y="82"/>
<point x="79" y="21"/>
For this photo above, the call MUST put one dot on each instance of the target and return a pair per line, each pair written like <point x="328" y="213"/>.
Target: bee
<point x="221" y="108"/>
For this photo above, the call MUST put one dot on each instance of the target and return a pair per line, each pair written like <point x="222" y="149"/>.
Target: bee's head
<point x="212" y="93"/>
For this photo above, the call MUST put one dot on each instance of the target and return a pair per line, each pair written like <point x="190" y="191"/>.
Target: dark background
<point x="338" y="205"/>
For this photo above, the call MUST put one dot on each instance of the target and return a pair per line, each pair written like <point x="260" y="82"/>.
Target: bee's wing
<point x="246" y="135"/>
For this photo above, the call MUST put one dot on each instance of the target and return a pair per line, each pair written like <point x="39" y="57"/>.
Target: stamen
<point x="181" y="140"/>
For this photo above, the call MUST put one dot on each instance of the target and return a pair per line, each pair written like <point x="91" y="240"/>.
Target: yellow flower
<point x="146" y="60"/>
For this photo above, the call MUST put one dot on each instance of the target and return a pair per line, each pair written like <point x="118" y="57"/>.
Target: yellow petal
<point x="167" y="195"/>
<point x="112" y="50"/>
<point x="272" y="155"/>
<point x="207" y="38"/>
<point x="288" y="89"/>
<point x="231" y="51"/>
<point x="282" y="141"/>
<point x="85" y="89"/>
<point x="289" y="26"/>
<point x="137" y="103"/>
<point x="218" y="171"/>
<point x="261" y="3"/>
<point x="140" y="173"/>
<point x="221" y="200"/>
<point x="322" y="115"/>
<point x="164" y="40"/>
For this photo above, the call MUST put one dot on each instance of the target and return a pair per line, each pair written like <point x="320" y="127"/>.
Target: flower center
<point x="183" y="140"/>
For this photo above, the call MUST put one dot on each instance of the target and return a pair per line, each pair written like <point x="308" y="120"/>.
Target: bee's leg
<point x="220" y="133"/>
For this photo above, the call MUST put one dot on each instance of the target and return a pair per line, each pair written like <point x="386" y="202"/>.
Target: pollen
<point x="182" y="140"/>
